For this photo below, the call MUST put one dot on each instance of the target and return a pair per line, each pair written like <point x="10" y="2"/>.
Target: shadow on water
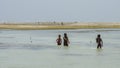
<point x="26" y="46"/>
<point x="4" y="46"/>
<point x="69" y="51"/>
<point x="36" y="47"/>
<point x="77" y="55"/>
<point x="7" y="37"/>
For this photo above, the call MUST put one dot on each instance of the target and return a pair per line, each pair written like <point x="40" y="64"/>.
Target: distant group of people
<point x="66" y="41"/>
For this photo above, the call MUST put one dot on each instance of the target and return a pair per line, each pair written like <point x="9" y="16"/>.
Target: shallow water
<point x="38" y="49"/>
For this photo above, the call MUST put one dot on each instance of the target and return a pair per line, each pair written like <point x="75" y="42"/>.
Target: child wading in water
<point x="66" y="40"/>
<point x="99" y="41"/>
<point x="59" y="40"/>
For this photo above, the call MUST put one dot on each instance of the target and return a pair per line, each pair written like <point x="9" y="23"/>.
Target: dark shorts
<point x="58" y="43"/>
<point x="65" y="44"/>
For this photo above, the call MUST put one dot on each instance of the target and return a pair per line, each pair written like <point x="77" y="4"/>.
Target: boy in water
<point x="66" y="40"/>
<point x="99" y="41"/>
<point x="59" y="40"/>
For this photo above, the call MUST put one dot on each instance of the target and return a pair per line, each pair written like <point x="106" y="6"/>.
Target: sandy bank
<point x="67" y="26"/>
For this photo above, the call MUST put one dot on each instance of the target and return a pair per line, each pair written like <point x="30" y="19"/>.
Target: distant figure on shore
<point x="66" y="40"/>
<point x="59" y="40"/>
<point x="62" y="23"/>
<point x="99" y="41"/>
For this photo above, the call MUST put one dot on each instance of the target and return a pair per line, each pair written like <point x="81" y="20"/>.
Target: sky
<point x="60" y="10"/>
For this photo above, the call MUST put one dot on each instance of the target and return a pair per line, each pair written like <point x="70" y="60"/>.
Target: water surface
<point x="38" y="49"/>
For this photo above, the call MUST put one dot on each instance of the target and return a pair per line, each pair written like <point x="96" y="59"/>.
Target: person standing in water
<point x="66" y="40"/>
<point x="59" y="40"/>
<point x="99" y="41"/>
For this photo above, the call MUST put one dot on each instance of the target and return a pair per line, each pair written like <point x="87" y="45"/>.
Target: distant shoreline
<point x="59" y="26"/>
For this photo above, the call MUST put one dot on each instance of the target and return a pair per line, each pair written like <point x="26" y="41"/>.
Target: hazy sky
<point x="60" y="10"/>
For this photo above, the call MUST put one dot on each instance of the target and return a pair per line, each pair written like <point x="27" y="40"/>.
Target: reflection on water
<point x="17" y="50"/>
<point x="100" y="52"/>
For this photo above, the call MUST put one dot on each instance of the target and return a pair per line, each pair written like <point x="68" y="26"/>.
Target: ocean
<point x="38" y="49"/>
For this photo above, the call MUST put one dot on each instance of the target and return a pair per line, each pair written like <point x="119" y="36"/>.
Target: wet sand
<point x="64" y="26"/>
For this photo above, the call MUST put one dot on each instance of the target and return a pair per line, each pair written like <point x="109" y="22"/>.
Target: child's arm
<point x="68" y="41"/>
<point x="57" y="40"/>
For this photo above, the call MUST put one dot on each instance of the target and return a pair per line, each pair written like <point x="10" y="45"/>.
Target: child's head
<point x="98" y="35"/>
<point x="59" y="35"/>
<point x="65" y="34"/>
